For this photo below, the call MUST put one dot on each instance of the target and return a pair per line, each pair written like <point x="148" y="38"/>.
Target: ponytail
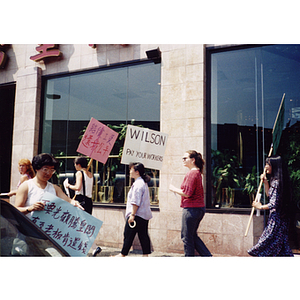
<point x="199" y="161"/>
<point x="141" y="169"/>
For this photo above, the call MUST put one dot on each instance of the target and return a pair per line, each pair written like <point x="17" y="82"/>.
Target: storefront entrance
<point x="7" y="100"/>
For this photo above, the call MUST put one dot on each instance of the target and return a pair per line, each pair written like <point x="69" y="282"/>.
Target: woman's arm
<point x="14" y="192"/>
<point x="266" y="183"/>
<point x="178" y="191"/>
<point x="62" y="195"/>
<point x="78" y="184"/>
<point x="21" y="198"/>
<point x="134" y="210"/>
<point x="258" y="205"/>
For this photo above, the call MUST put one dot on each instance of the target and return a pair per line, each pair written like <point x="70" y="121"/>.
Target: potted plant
<point x="106" y="191"/>
<point x="226" y="177"/>
<point x="251" y="184"/>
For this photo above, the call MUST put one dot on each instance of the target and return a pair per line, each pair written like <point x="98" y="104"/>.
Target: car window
<point x="20" y="237"/>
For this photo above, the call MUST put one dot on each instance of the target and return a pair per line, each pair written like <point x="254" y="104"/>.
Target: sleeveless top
<point x="35" y="193"/>
<point x="88" y="186"/>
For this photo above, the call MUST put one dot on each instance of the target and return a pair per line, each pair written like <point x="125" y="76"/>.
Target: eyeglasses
<point x="185" y="158"/>
<point x="48" y="171"/>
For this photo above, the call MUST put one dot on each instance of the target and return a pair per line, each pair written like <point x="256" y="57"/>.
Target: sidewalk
<point x="108" y="251"/>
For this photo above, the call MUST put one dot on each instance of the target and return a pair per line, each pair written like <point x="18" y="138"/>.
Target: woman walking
<point x="192" y="202"/>
<point x="138" y="212"/>
<point x="83" y="186"/>
<point x="274" y="239"/>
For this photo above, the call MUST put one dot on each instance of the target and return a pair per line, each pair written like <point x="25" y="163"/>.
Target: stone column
<point x="26" y="118"/>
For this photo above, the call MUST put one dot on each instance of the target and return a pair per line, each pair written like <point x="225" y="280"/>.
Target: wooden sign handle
<point x="257" y="196"/>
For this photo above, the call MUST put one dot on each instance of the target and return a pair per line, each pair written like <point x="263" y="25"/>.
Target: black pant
<point x="85" y="202"/>
<point x="141" y="229"/>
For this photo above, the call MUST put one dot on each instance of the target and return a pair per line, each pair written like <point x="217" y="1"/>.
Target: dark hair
<point x="81" y="161"/>
<point x="199" y="161"/>
<point x="280" y="173"/>
<point x="44" y="159"/>
<point x="141" y="169"/>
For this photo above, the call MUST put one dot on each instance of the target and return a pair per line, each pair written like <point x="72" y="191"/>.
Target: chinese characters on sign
<point x="72" y="228"/>
<point x="97" y="141"/>
<point x="46" y="50"/>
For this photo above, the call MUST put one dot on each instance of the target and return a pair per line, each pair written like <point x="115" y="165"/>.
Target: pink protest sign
<point x="97" y="141"/>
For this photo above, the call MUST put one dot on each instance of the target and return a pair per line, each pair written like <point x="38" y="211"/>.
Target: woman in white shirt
<point x="138" y="212"/>
<point x="83" y="186"/>
<point x="30" y="192"/>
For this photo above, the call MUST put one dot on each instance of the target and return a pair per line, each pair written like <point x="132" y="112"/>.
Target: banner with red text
<point x="97" y="141"/>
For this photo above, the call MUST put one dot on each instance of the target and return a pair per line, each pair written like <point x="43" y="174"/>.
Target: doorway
<point x="7" y="102"/>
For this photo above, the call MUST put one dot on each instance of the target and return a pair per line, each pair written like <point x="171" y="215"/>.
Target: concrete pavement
<point x="108" y="251"/>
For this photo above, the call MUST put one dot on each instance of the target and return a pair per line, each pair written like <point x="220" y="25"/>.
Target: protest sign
<point x="277" y="131"/>
<point x="72" y="228"/>
<point x="278" y="125"/>
<point x="97" y="141"/>
<point x="145" y="146"/>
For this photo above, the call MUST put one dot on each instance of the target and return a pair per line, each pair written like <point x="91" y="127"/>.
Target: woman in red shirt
<point x="192" y="202"/>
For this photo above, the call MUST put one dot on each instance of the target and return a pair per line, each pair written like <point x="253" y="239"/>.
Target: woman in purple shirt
<point x="138" y="212"/>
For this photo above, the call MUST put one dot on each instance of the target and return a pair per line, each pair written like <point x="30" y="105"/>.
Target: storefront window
<point x="114" y="96"/>
<point x="246" y="86"/>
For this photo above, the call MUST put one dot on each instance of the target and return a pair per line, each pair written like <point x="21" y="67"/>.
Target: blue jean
<point x="191" y="217"/>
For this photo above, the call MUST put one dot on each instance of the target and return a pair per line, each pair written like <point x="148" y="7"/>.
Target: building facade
<point x="219" y="100"/>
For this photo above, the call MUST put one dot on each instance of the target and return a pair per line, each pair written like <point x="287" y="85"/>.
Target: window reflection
<point x="116" y="96"/>
<point x="247" y="86"/>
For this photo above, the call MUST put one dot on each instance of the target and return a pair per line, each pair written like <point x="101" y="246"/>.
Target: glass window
<point x="114" y="96"/>
<point x="246" y="87"/>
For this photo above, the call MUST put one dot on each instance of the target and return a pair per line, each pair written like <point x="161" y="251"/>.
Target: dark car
<point x="21" y="237"/>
